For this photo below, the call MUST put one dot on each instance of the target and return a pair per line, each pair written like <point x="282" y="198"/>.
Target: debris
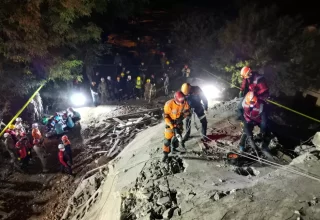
<point x="316" y="140"/>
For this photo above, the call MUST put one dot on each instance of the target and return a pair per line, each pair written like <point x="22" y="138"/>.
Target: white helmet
<point x="129" y="77"/>
<point x="5" y="135"/>
<point x="108" y="78"/>
<point x="61" y="147"/>
<point x="35" y="125"/>
<point x="128" y="72"/>
<point x="102" y="79"/>
<point x="18" y="119"/>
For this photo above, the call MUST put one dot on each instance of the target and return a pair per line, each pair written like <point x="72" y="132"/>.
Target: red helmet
<point x="18" y="144"/>
<point x="64" y="137"/>
<point x="179" y="97"/>
<point x="245" y="72"/>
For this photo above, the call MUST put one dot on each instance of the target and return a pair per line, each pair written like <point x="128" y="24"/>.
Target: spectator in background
<point x="110" y="88"/>
<point x="186" y="71"/>
<point x="163" y="60"/>
<point x="96" y="78"/>
<point x="117" y="59"/>
<point x="130" y="87"/>
<point x="119" y="69"/>
<point x="94" y="93"/>
<point x="166" y="84"/>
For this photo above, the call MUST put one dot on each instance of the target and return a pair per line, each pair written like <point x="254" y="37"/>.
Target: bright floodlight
<point x="210" y="91"/>
<point x="78" y="99"/>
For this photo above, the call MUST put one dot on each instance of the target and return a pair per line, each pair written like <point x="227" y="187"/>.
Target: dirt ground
<point x="35" y="195"/>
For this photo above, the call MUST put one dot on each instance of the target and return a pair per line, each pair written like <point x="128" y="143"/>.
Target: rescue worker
<point x="22" y="152"/>
<point x="94" y="93"/>
<point x="64" y="160"/>
<point x="119" y="69"/>
<point x="75" y="115"/>
<point x="166" y="84"/>
<point x="186" y="71"/>
<point x="194" y="97"/>
<point x="96" y="78"/>
<point x="69" y="122"/>
<point x="130" y="87"/>
<point x="38" y="146"/>
<point x="175" y="110"/>
<point x="118" y="89"/>
<point x="253" y="113"/>
<point x="138" y="88"/>
<point x="102" y="88"/>
<point x="12" y="133"/>
<point x="163" y="60"/>
<point x="147" y="90"/>
<point x="110" y="88"/>
<point x="10" y="147"/>
<point x="253" y="81"/>
<point x="67" y="147"/>
<point x="19" y="126"/>
<point x="58" y="127"/>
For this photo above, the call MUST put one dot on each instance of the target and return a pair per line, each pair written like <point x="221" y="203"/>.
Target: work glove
<point x="240" y="94"/>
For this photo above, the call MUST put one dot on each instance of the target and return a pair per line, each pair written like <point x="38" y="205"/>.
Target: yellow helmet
<point x="11" y="127"/>
<point x="168" y="62"/>
<point x="138" y="78"/>
<point x="148" y="80"/>
<point x="185" y="88"/>
<point x="122" y="74"/>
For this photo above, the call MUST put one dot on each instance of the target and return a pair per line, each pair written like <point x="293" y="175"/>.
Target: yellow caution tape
<point x="21" y="110"/>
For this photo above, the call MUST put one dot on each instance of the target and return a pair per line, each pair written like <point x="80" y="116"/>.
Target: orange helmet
<point x="245" y="72"/>
<point x="185" y="88"/>
<point x="251" y="99"/>
<point x="64" y="138"/>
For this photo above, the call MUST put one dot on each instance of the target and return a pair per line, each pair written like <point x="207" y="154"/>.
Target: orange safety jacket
<point x="173" y="112"/>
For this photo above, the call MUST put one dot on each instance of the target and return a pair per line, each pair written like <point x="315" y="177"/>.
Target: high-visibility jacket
<point x="36" y="134"/>
<point x="252" y="114"/>
<point x="138" y="84"/>
<point x="173" y="112"/>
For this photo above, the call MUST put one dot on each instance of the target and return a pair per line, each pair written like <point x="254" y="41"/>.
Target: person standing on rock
<point x="138" y="87"/>
<point x="118" y="89"/>
<point x="253" y="114"/>
<point x="38" y="146"/>
<point x="110" y="88"/>
<point x="64" y="160"/>
<point x="102" y="88"/>
<point x="130" y="87"/>
<point x="199" y="103"/>
<point x="186" y="71"/>
<point x="94" y="93"/>
<point x="67" y="146"/>
<point x="175" y="110"/>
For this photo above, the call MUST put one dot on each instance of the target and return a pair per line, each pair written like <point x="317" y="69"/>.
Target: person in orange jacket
<point x="38" y="146"/>
<point x="67" y="146"/>
<point x="175" y="110"/>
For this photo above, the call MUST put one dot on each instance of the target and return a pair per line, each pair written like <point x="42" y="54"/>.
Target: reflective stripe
<point x="255" y="81"/>
<point x="203" y="116"/>
<point x="168" y="130"/>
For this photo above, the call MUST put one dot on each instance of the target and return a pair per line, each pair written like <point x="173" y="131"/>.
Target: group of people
<point x="60" y="123"/>
<point x="19" y="142"/>
<point x="191" y="100"/>
<point x="126" y="87"/>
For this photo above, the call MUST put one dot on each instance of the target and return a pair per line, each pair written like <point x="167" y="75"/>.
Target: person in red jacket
<point x="252" y="81"/>
<point x="253" y="114"/>
<point x="67" y="147"/>
<point x="22" y="152"/>
<point x="64" y="160"/>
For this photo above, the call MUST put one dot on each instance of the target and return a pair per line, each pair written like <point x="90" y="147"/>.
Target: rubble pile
<point x="112" y="134"/>
<point x="151" y="196"/>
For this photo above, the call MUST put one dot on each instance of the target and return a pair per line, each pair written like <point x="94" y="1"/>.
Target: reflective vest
<point x="172" y="111"/>
<point x="138" y="84"/>
<point x="252" y="114"/>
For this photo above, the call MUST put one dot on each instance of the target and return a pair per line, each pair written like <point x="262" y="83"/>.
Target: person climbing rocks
<point x="67" y="146"/>
<point x="138" y="88"/>
<point x="254" y="114"/>
<point x="186" y="71"/>
<point x="175" y="110"/>
<point x="64" y="160"/>
<point x="199" y="103"/>
<point x="147" y="90"/>
<point x="102" y="88"/>
<point x="94" y="93"/>
<point x="38" y="146"/>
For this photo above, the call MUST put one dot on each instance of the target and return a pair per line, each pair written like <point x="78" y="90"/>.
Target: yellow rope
<point x="21" y="110"/>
